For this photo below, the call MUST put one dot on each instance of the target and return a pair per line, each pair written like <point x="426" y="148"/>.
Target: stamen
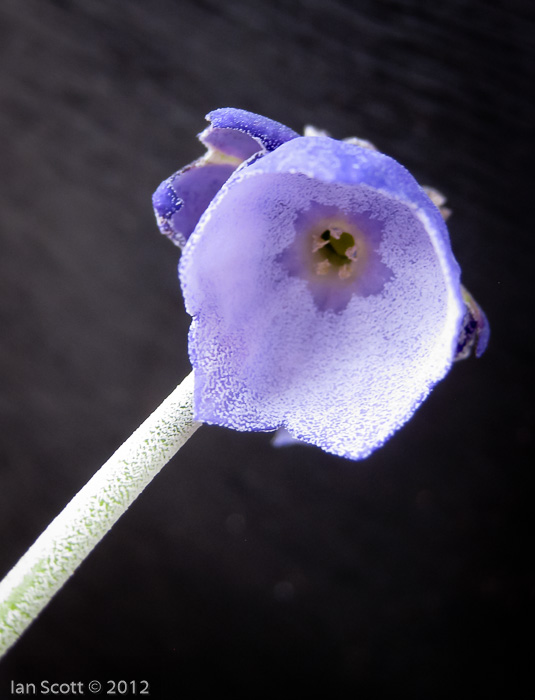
<point x="344" y="272"/>
<point x="337" y="249"/>
<point x="323" y="267"/>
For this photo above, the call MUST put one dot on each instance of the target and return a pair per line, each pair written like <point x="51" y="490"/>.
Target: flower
<point x="325" y="297"/>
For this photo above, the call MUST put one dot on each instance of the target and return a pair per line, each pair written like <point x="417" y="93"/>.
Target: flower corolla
<point x="325" y="297"/>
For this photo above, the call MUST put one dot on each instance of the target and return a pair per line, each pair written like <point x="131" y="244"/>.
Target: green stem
<point x="67" y="541"/>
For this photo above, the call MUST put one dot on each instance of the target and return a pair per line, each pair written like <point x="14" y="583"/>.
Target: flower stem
<point x="71" y="536"/>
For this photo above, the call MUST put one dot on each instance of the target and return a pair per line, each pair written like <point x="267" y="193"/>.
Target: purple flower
<point x="324" y="293"/>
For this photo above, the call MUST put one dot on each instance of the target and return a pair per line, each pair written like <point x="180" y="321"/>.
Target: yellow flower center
<point x="336" y="249"/>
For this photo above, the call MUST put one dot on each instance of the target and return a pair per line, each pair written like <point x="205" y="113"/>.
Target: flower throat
<point x="334" y="248"/>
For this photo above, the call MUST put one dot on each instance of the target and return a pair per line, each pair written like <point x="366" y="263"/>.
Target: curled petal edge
<point x="233" y="139"/>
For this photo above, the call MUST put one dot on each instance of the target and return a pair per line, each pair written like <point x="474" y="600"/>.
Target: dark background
<point x="242" y="567"/>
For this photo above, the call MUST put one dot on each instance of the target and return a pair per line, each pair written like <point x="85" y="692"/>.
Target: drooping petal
<point x="339" y="349"/>
<point x="233" y="137"/>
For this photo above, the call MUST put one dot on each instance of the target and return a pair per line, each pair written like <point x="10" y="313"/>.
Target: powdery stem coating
<point x="67" y="541"/>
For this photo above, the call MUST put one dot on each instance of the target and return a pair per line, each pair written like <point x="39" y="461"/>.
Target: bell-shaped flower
<point x="325" y="297"/>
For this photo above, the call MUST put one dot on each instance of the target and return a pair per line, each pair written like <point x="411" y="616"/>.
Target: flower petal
<point x="475" y="329"/>
<point x="181" y="199"/>
<point x="282" y="438"/>
<point x="233" y="137"/>
<point x="239" y="133"/>
<point x="268" y="350"/>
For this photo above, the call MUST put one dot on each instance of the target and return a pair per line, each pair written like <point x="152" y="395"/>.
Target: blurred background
<point x="243" y="567"/>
